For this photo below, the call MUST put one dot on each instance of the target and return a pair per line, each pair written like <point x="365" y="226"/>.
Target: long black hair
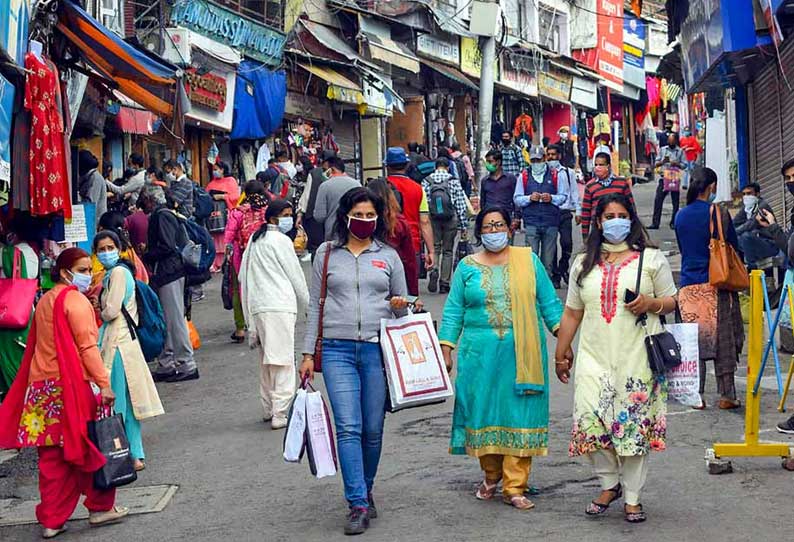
<point x="350" y="199"/>
<point x="110" y="234"/>
<point x="275" y="208"/>
<point x="637" y="238"/>
<point x="114" y="221"/>
<point x="702" y="178"/>
<point x="481" y="218"/>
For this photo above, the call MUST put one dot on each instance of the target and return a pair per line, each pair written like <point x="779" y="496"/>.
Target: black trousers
<point x="658" y="202"/>
<point x="566" y="244"/>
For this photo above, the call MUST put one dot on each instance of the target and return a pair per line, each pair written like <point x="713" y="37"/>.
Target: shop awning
<point x="391" y="52"/>
<point x="135" y="121"/>
<point x="340" y="88"/>
<point x="259" y="100"/>
<point x="140" y="75"/>
<point x="450" y="73"/>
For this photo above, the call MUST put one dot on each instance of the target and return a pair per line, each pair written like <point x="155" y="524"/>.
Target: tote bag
<point x="16" y="297"/>
<point x="320" y="446"/>
<point x="108" y="435"/>
<point x="684" y="381"/>
<point x="295" y="436"/>
<point x="726" y="270"/>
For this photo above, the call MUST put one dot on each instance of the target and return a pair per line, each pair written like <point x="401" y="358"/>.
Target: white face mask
<point x="563" y="135"/>
<point x="749" y="201"/>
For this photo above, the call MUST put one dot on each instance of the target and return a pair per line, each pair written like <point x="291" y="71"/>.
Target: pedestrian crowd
<point x="111" y="315"/>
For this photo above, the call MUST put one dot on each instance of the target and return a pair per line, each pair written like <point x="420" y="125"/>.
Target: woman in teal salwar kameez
<point x="498" y="303"/>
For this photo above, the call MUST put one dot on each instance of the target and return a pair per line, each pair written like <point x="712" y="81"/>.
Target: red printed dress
<point x="49" y="185"/>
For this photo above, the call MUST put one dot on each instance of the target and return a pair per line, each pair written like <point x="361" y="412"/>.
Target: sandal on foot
<point x="96" y="519"/>
<point x="486" y="491"/>
<point x="596" y="508"/>
<point x="239" y="339"/>
<point x="518" y="501"/>
<point x="635" y="517"/>
<point x="139" y="465"/>
<point x="52" y="533"/>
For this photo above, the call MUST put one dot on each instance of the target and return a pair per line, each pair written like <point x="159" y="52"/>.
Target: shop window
<point x="108" y="12"/>
<point x="553" y="30"/>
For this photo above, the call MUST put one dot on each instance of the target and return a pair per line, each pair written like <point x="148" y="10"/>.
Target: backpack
<point x="198" y="252"/>
<point x="460" y="168"/>
<point x="425" y="169"/>
<point x="202" y="203"/>
<point x="397" y="195"/>
<point x="440" y="202"/>
<point x="150" y="330"/>
<point x="251" y="222"/>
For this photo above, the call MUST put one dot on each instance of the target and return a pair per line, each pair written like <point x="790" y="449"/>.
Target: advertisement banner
<point x="634" y="33"/>
<point x="6" y="110"/>
<point x="14" y="16"/>
<point x="555" y="85"/>
<point x="609" y="56"/>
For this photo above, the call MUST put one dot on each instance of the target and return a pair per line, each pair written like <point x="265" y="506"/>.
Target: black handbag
<point x="226" y="285"/>
<point x="216" y="223"/>
<point x="108" y="435"/>
<point x="664" y="352"/>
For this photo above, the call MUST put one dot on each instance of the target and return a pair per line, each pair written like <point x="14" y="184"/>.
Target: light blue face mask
<point x="108" y="259"/>
<point x="81" y="281"/>
<point x="616" y="229"/>
<point x="538" y="168"/>
<point x="712" y="197"/>
<point x="553" y="164"/>
<point x="285" y="224"/>
<point x="496" y="241"/>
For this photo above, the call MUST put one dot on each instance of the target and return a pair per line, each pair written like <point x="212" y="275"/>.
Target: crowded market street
<point x="234" y="485"/>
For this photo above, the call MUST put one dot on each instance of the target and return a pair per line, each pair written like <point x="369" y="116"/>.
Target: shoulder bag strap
<point x="717" y="212"/>
<point x="642" y="317"/>
<point x="323" y="291"/>
<point x="16" y="270"/>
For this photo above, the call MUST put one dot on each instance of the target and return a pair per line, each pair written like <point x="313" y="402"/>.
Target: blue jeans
<point x="353" y="375"/>
<point x="755" y="247"/>
<point x="543" y="240"/>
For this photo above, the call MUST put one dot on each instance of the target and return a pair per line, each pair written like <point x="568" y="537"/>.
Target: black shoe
<point x="786" y="427"/>
<point x="432" y="283"/>
<point x="163" y="377"/>
<point x="443" y="288"/>
<point x="373" y="512"/>
<point x="653" y="227"/>
<point x="357" y="521"/>
<point x="180" y="376"/>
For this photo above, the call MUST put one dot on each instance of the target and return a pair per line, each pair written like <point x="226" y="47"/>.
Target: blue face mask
<point x="285" y="224"/>
<point x="538" y="168"/>
<point x="553" y="164"/>
<point x="81" y="281"/>
<point x="712" y="197"/>
<point x="496" y="241"/>
<point x="616" y="229"/>
<point x="108" y="259"/>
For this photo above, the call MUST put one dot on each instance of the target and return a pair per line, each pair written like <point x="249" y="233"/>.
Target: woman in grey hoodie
<point x="365" y="282"/>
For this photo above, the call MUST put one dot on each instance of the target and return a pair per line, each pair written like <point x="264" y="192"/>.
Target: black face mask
<point x="505" y="142"/>
<point x="790" y="187"/>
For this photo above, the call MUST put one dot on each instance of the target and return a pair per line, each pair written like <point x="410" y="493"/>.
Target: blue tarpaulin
<point x="258" y="101"/>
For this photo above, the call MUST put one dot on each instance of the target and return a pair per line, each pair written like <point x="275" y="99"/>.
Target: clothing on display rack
<point x="601" y="125"/>
<point x="248" y="163"/>
<point x="522" y="128"/>
<point x="262" y="157"/>
<point x="49" y="181"/>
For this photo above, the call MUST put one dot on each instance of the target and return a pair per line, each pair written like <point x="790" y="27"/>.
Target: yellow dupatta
<point x="529" y="363"/>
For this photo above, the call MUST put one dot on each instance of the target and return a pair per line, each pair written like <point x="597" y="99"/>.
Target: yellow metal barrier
<point x="781" y="407"/>
<point x="751" y="447"/>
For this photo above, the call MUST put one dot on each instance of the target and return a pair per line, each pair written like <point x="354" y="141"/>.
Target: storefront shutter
<point x="786" y="116"/>
<point x="346" y="136"/>
<point x="766" y="132"/>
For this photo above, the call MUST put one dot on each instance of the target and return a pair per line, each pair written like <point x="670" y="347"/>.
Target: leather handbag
<point x="726" y="270"/>
<point x="318" y="343"/>
<point x="664" y="352"/>
<point x="17" y="296"/>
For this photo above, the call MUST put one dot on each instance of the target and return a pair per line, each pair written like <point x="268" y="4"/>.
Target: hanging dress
<point x="49" y="184"/>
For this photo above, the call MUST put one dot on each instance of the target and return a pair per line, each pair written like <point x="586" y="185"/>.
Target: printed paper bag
<point x="415" y="369"/>
<point x="319" y="437"/>
<point x="108" y="435"/>
<point x="684" y="380"/>
<point x="295" y="437"/>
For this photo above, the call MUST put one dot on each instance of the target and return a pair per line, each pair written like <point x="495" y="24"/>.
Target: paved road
<point x="234" y="486"/>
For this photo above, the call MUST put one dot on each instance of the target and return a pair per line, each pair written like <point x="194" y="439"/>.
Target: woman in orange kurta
<point x="223" y="187"/>
<point x="59" y="388"/>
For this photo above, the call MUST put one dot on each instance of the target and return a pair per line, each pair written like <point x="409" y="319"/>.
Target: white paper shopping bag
<point x="295" y="437"/>
<point x="415" y="369"/>
<point x="684" y="381"/>
<point x="319" y="437"/>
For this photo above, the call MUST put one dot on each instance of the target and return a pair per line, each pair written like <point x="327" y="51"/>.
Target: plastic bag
<point x="295" y="437"/>
<point x="319" y="437"/>
<point x="684" y="381"/>
<point x="195" y="338"/>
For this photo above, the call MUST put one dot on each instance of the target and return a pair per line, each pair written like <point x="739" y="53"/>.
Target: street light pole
<point x="486" y="103"/>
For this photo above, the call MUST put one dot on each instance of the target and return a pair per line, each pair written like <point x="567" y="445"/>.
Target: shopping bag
<point x="108" y="435"/>
<point x="320" y="446"/>
<point x="415" y="370"/>
<point x="195" y="338"/>
<point x="226" y="285"/>
<point x="684" y="381"/>
<point x="672" y="179"/>
<point x="295" y="437"/>
<point x="17" y="296"/>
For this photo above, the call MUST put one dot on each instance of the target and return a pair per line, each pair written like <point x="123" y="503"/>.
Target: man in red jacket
<point x="414" y="202"/>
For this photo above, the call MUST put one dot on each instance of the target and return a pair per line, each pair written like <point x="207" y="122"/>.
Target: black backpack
<point x="202" y="203"/>
<point x="440" y="202"/>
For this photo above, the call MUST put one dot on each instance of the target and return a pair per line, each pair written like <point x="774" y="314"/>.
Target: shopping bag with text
<point x="295" y="437"/>
<point x="319" y="437"/>
<point x="684" y="380"/>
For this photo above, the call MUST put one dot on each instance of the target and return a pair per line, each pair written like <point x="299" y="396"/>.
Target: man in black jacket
<point x="166" y="237"/>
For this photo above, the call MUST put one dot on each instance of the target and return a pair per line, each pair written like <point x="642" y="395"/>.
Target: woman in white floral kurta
<point x="619" y="407"/>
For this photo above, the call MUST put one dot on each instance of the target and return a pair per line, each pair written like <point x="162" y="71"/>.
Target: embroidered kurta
<point x="617" y="402"/>
<point x="49" y="184"/>
<point x="489" y="416"/>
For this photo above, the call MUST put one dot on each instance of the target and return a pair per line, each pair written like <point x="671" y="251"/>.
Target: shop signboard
<point x="471" y="58"/>
<point x="207" y="90"/>
<point x="6" y="110"/>
<point x="702" y="39"/>
<point x="445" y="48"/>
<point x="634" y="33"/>
<point x="609" y="57"/>
<point x="251" y="38"/>
<point x="555" y="85"/>
<point x="518" y="79"/>
<point x="14" y="17"/>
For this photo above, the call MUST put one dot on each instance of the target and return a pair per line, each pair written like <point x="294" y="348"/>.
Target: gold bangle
<point x="566" y="362"/>
<point x="661" y="308"/>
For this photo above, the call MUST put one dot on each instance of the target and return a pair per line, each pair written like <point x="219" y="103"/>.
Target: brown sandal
<point x="486" y="491"/>
<point x="518" y="501"/>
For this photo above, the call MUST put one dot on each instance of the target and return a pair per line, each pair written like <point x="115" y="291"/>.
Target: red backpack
<point x="252" y="221"/>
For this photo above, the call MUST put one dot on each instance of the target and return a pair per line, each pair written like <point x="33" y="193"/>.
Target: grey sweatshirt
<point x="328" y="196"/>
<point x="358" y="288"/>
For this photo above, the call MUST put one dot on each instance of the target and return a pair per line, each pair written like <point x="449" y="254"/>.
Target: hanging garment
<point x="329" y="143"/>
<point x="522" y="127"/>
<point x="601" y="125"/>
<point x="249" y="166"/>
<point x="683" y="112"/>
<point x="49" y="181"/>
<point x="652" y="87"/>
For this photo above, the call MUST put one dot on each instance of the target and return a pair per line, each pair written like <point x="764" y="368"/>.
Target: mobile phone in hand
<point x="629" y="296"/>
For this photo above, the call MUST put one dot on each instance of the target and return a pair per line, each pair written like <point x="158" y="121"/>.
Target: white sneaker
<point x="278" y="423"/>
